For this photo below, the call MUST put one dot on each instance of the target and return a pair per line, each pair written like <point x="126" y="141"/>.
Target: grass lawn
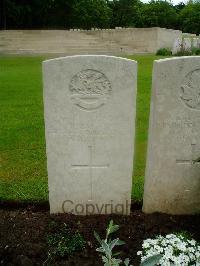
<point x="23" y="172"/>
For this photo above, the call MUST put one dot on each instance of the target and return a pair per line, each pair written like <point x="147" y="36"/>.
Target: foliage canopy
<point x="87" y="14"/>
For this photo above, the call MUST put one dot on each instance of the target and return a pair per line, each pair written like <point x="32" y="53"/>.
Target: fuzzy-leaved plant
<point x="107" y="245"/>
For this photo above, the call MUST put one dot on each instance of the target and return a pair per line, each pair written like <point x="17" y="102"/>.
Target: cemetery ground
<point x="25" y="222"/>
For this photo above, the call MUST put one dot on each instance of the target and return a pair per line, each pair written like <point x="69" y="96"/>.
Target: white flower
<point x="145" y="245"/>
<point x="191" y="249"/>
<point x="192" y="242"/>
<point x="139" y="253"/>
<point x="176" y="250"/>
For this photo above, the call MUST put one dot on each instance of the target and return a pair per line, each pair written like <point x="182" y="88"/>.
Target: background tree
<point x="3" y="18"/>
<point x="56" y="13"/>
<point x="91" y="13"/>
<point x="189" y="18"/>
<point x="17" y="13"/>
<point x="159" y="14"/>
<point x="85" y="14"/>
<point x="125" y="13"/>
<point x="179" y="7"/>
<point x="36" y="14"/>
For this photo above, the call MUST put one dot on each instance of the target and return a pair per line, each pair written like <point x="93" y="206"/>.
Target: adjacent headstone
<point x="90" y="104"/>
<point x="177" y="46"/>
<point x="195" y="42"/>
<point x="187" y="44"/>
<point x="172" y="182"/>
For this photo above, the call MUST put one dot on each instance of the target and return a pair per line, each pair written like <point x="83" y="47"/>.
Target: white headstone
<point x="195" y="42"/>
<point x="187" y="44"/>
<point x="177" y="46"/>
<point x="90" y="104"/>
<point x="172" y="181"/>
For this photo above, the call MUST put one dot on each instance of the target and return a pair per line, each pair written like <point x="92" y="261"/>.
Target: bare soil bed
<point x="24" y="228"/>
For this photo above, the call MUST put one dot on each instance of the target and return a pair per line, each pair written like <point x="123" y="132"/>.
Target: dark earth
<point x="24" y="228"/>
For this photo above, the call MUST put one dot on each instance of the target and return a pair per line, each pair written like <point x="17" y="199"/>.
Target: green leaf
<point x="120" y="242"/>
<point x="116" y="254"/>
<point x="106" y="247"/>
<point x="104" y="259"/>
<point x="112" y="228"/>
<point x="110" y="224"/>
<point x="126" y="262"/>
<point x="97" y="237"/>
<point x="109" y="228"/>
<point x="116" y="262"/>
<point x="113" y="243"/>
<point x="100" y="250"/>
<point x="151" y="261"/>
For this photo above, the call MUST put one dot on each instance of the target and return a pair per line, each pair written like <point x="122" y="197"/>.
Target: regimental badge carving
<point x="90" y="89"/>
<point x="190" y="90"/>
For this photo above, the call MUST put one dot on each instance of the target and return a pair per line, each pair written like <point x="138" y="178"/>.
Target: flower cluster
<point x="176" y="250"/>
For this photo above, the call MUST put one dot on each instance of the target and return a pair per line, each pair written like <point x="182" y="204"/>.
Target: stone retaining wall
<point x="75" y="41"/>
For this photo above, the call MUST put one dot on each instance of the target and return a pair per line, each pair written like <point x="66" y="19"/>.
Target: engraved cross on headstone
<point x="90" y="166"/>
<point x="195" y="157"/>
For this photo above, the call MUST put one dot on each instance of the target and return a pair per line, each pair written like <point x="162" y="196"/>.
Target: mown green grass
<point x="145" y="64"/>
<point x="23" y="174"/>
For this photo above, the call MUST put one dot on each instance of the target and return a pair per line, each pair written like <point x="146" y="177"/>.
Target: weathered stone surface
<point x="187" y="44"/>
<point x="195" y="42"/>
<point x="74" y="41"/>
<point x="172" y="181"/>
<point x="90" y="106"/>
<point x="177" y="46"/>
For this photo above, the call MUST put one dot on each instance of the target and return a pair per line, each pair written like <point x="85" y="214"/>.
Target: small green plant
<point x="184" y="52"/>
<point x="164" y="52"/>
<point x="107" y="245"/>
<point x="63" y="243"/>
<point x="196" y="51"/>
<point x="185" y="234"/>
